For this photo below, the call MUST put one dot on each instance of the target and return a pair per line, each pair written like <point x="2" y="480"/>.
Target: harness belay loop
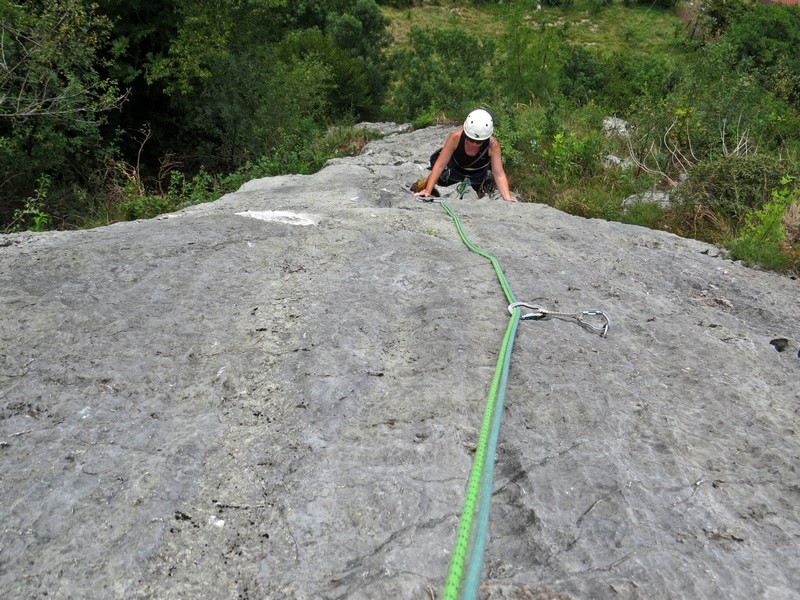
<point x="538" y="313"/>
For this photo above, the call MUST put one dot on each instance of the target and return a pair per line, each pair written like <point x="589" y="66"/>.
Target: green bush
<point x="570" y="157"/>
<point x="661" y="3"/>
<point x="766" y="38"/>
<point x="733" y="186"/>
<point x="713" y="112"/>
<point x="530" y="63"/>
<point x="717" y="15"/>
<point x="444" y="68"/>
<point x="585" y="75"/>
<point x="644" y="214"/>
<point x="32" y="216"/>
<point x="595" y="6"/>
<point x="630" y="80"/>
<point x="760" y="241"/>
<point x="559" y="3"/>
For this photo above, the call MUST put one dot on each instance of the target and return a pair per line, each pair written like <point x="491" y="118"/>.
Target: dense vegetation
<point x="121" y="109"/>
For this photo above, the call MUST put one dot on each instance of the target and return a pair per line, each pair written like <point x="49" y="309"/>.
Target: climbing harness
<point x="474" y="525"/>
<point x="542" y="313"/>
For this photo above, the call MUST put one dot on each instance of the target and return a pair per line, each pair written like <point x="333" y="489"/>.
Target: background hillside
<point x="122" y="109"/>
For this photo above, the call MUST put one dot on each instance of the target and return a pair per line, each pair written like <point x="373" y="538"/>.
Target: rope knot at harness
<point x="461" y="188"/>
<point x="539" y="313"/>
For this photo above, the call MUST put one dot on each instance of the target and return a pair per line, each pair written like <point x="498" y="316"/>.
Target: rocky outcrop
<point x="277" y="395"/>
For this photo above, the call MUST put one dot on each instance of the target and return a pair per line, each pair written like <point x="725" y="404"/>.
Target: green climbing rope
<point x="479" y="484"/>
<point x="471" y="526"/>
<point x="503" y="283"/>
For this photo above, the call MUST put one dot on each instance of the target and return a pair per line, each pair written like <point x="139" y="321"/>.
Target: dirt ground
<point x="278" y="395"/>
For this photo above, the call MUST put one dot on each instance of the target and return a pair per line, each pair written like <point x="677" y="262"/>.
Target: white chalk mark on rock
<point x="281" y="216"/>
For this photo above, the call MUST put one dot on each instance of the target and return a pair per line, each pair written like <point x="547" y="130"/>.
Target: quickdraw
<point x="540" y="313"/>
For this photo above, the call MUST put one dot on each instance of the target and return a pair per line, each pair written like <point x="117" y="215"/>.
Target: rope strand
<point x="472" y="526"/>
<point x="481" y="475"/>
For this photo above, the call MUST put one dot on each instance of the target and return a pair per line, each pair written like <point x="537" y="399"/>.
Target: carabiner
<point x="601" y="329"/>
<point x="540" y="313"/>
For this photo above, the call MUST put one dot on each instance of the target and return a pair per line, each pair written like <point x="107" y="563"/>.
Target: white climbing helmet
<point x="479" y="125"/>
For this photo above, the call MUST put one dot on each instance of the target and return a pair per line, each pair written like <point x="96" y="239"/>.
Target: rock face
<point x="277" y="395"/>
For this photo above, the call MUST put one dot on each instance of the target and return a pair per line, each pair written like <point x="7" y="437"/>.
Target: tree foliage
<point x="532" y="62"/>
<point x="717" y="15"/>
<point x="50" y="59"/>
<point x="251" y="75"/>
<point x="445" y="68"/>
<point x="53" y="96"/>
<point x="214" y="83"/>
<point x="766" y="39"/>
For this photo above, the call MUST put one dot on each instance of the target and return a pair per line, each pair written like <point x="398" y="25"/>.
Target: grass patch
<point x="615" y="28"/>
<point x="444" y="15"/>
<point x="644" y="214"/>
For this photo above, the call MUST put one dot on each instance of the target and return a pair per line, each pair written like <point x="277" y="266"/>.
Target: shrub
<point x="718" y="15"/>
<point x="661" y="3"/>
<point x="32" y="216"/>
<point x="571" y="157"/>
<point x="644" y="214"/>
<point x="632" y="79"/>
<point x="767" y="38"/>
<point x="444" y="68"/>
<point x="585" y="75"/>
<point x="397" y="3"/>
<point x="732" y="186"/>
<point x="791" y="223"/>
<point x="688" y="219"/>
<point x="531" y="64"/>
<point x="761" y="239"/>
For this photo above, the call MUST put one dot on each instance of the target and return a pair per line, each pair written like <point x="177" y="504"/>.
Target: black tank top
<point x="472" y="164"/>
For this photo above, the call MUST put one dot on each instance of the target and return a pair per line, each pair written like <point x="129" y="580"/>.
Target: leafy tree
<point x="53" y="98"/>
<point x="351" y="90"/>
<point x="361" y="31"/>
<point x="362" y="34"/>
<point x="228" y="72"/>
<point x="445" y="68"/>
<point x="585" y="75"/>
<point x="766" y="38"/>
<point x="651" y="3"/>
<point x="532" y="63"/>
<point x="141" y="35"/>
<point x="50" y="60"/>
<point x="714" y="111"/>
<point x="633" y="79"/>
<point x="717" y="15"/>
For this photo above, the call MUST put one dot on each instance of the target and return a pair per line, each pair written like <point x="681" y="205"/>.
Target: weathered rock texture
<point x="276" y="395"/>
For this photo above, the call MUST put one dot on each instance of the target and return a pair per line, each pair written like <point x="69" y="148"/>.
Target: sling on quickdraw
<point x="472" y="526"/>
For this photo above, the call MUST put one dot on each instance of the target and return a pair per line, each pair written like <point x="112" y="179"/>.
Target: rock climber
<point x="470" y="152"/>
